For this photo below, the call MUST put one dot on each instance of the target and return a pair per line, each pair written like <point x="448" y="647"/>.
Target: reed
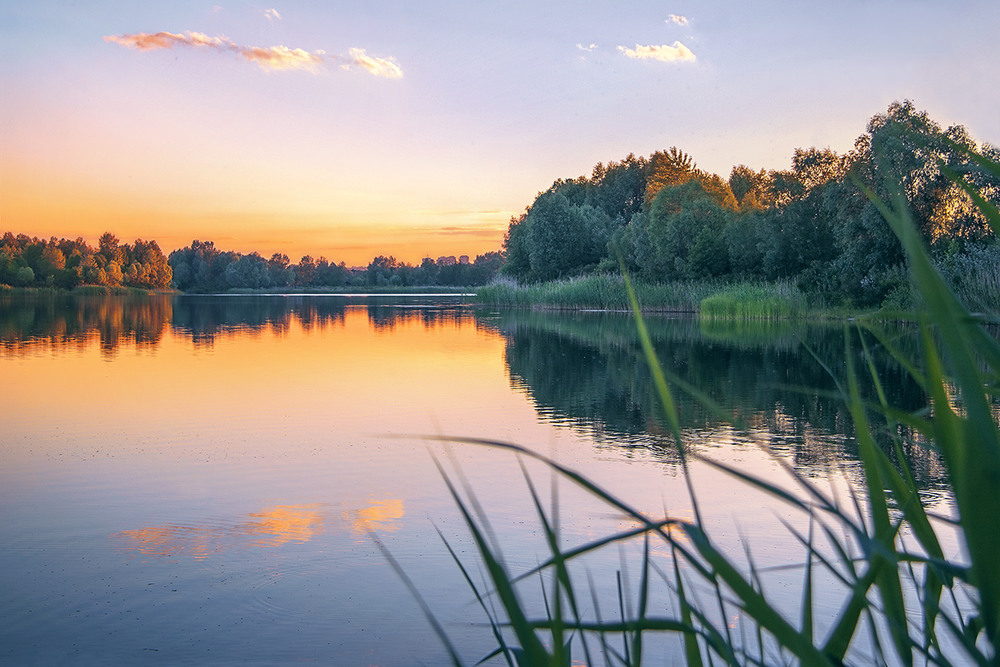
<point x="902" y="599"/>
<point x="598" y="292"/>
<point x="755" y="301"/>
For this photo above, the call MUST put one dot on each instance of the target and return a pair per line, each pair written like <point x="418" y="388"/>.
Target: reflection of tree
<point x="586" y="371"/>
<point x="61" y="320"/>
<point x="204" y="318"/>
<point x="58" y="321"/>
<point x="388" y="317"/>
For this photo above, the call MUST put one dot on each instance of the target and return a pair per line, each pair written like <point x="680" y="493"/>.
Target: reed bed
<point x="755" y="301"/>
<point x="598" y="292"/>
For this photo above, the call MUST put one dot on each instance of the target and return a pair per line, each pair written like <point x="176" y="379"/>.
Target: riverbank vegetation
<point x="809" y="226"/>
<point x="606" y="291"/>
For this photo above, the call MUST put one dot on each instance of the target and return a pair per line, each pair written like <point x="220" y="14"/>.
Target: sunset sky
<point x="419" y="128"/>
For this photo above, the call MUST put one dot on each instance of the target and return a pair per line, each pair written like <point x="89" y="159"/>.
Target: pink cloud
<point x="266" y="57"/>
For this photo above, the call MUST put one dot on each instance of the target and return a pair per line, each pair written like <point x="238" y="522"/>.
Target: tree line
<point x="33" y="262"/>
<point x="666" y="219"/>
<point x="201" y="267"/>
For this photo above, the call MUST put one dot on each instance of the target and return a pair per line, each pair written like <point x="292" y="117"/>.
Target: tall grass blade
<point x="415" y="592"/>
<point x="970" y="446"/>
<point x="530" y="647"/>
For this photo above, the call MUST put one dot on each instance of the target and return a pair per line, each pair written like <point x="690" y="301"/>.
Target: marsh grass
<point x="901" y="598"/>
<point x="755" y="301"/>
<point x="598" y="292"/>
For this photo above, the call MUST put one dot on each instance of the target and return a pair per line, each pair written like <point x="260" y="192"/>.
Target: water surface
<point x="198" y="479"/>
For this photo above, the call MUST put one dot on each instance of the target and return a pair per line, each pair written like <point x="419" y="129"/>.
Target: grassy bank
<point x="601" y="292"/>
<point x="759" y="301"/>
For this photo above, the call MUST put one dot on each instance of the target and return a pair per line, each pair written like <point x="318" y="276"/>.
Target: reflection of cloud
<point x="278" y="57"/>
<point x="663" y="53"/>
<point x="679" y="20"/>
<point x="286" y="523"/>
<point x="381" y="516"/>
<point x="271" y="527"/>
<point x="384" y="67"/>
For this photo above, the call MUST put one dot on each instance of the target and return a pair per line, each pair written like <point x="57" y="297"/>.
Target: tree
<point x="517" y="261"/>
<point x="677" y="217"/>
<point x="109" y="249"/>
<point x="667" y="168"/>
<point x="563" y="239"/>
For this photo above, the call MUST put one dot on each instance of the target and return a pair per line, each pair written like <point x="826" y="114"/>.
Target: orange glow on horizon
<point x="43" y="203"/>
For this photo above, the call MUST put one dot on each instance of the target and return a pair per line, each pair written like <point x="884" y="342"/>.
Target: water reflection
<point x="586" y="372"/>
<point x="204" y="318"/>
<point x="57" y="322"/>
<point x="271" y="527"/>
<point x="382" y="516"/>
<point x="30" y="324"/>
<point x="583" y="371"/>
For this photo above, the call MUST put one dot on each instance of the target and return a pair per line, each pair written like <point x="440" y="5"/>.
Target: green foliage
<point x="808" y="223"/>
<point x="681" y="217"/>
<point x="563" y="238"/>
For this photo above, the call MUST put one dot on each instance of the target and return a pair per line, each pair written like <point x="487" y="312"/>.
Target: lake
<point x="198" y="479"/>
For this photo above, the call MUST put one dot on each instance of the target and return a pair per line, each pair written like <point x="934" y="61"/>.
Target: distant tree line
<point x="667" y="219"/>
<point x="201" y="267"/>
<point x="32" y="262"/>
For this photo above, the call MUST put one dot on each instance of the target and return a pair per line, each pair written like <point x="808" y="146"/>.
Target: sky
<point x="354" y="129"/>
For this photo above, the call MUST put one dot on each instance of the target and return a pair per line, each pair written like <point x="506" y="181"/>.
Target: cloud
<point x="663" y="53"/>
<point x="145" y="41"/>
<point x="384" y="67"/>
<point x="266" y="57"/>
<point x="272" y="15"/>
<point x="282" y="57"/>
<point x="588" y="49"/>
<point x="679" y="20"/>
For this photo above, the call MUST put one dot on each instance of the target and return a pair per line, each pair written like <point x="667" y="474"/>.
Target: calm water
<point x="196" y="479"/>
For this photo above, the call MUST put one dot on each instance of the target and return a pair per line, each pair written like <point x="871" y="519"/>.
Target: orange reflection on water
<point x="271" y="527"/>
<point x="286" y="523"/>
<point x="382" y="516"/>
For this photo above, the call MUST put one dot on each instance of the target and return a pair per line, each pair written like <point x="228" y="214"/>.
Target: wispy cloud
<point x="679" y="20"/>
<point x="676" y="52"/>
<point x="588" y="49"/>
<point x="145" y="41"/>
<point x="282" y="57"/>
<point x="385" y="67"/>
<point x="272" y="15"/>
<point x="266" y="57"/>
